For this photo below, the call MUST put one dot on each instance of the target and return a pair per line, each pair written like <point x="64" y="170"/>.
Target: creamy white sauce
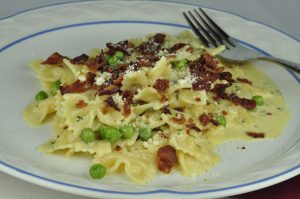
<point x="270" y="119"/>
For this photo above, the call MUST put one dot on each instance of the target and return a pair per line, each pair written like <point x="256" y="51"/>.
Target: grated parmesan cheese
<point x="188" y="79"/>
<point x="82" y="78"/>
<point x="99" y="81"/>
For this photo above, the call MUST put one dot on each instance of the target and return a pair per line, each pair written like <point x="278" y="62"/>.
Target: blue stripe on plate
<point x="134" y="193"/>
<point x="167" y="1"/>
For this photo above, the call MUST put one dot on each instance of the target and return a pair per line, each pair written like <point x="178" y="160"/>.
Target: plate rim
<point x="156" y="1"/>
<point x="19" y="172"/>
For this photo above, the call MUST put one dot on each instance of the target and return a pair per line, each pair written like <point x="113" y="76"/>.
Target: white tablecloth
<point x="283" y="15"/>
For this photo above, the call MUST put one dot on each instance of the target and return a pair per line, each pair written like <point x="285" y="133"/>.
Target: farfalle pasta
<point x="154" y="105"/>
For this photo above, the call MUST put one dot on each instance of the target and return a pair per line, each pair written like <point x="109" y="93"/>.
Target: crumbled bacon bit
<point x="110" y="101"/>
<point x="226" y="76"/>
<point x="269" y="113"/>
<point x="117" y="72"/>
<point x="201" y="85"/>
<point x="81" y="104"/>
<point x="209" y="61"/>
<point x="189" y="49"/>
<point x="244" y="80"/>
<point x="81" y="59"/>
<point x="165" y="110"/>
<point x="180" y="120"/>
<point x="54" y="59"/>
<point x="76" y="87"/>
<point x="123" y="46"/>
<point x="180" y="109"/>
<point x="118" y="81"/>
<point x="219" y="69"/>
<point x="197" y="99"/>
<point x="95" y="63"/>
<point x="90" y="78"/>
<point x="204" y="76"/>
<point x="152" y="46"/>
<point x="215" y="122"/>
<point x="166" y="158"/>
<point x="219" y="89"/>
<point x="204" y="119"/>
<point x="246" y="103"/>
<point x="159" y="38"/>
<point x="193" y="126"/>
<point x="109" y="90"/>
<point x="161" y="85"/>
<point x="255" y="134"/>
<point x="224" y="113"/>
<point x="127" y="95"/>
<point x="140" y="63"/>
<point x="118" y="148"/>
<point x="176" y="47"/>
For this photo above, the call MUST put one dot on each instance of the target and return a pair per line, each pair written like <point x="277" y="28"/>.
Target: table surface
<point x="282" y="15"/>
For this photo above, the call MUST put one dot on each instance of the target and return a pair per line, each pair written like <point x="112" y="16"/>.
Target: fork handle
<point x="293" y="65"/>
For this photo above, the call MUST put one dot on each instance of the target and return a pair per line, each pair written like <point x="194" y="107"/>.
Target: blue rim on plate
<point x="166" y="1"/>
<point x="11" y="167"/>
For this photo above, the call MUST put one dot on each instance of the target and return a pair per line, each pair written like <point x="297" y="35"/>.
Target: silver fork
<point x="212" y="35"/>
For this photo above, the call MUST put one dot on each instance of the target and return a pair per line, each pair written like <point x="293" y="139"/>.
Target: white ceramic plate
<point x="78" y="27"/>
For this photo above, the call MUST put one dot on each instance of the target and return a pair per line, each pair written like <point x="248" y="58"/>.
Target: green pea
<point x="221" y="120"/>
<point x="113" y="61"/>
<point x="119" y="55"/>
<point x="179" y="65"/>
<point x="145" y="134"/>
<point x="97" y="171"/>
<point x="87" y="135"/>
<point x="106" y="57"/>
<point x="55" y="87"/>
<point x="41" y="96"/>
<point x="259" y="100"/>
<point x="111" y="134"/>
<point x="127" y="131"/>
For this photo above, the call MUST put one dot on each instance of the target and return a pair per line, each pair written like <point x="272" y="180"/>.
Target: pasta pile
<point x="170" y="92"/>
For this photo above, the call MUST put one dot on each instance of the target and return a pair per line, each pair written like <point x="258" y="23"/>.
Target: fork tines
<point x="207" y="30"/>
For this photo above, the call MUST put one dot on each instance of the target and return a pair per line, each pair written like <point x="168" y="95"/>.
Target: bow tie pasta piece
<point x="138" y="166"/>
<point x="36" y="113"/>
<point x="186" y="144"/>
<point x="188" y="97"/>
<point x="193" y="166"/>
<point x="134" y="80"/>
<point x="78" y="118"/>
<point x="154" y="105"/>
<point x="77" y="69"/>
<point x="67" y="140"/>
<point x="151" y="120"/>
<point x="161" y="70"/>
<point x="49" y="74"/>
<point x="147" y="94"/>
